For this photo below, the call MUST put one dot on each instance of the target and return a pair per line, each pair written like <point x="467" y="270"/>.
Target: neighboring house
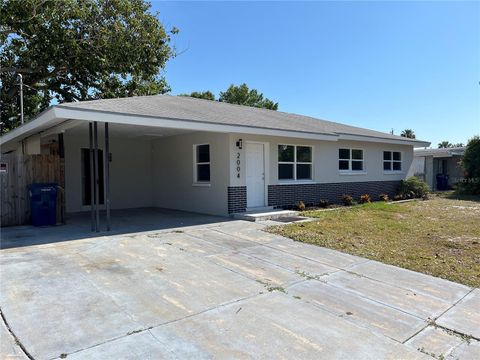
<point x="428" y="164"/>
<point x="213" y="157"/>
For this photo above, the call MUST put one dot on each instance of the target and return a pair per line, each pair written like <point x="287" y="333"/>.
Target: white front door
<point x="255" y="174"/>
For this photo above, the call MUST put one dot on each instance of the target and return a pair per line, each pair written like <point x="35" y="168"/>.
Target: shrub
<point x="413" y="188"/>
<point x="471" y="164"/>
<point x="468" y="187"/>
<point x="323" y="203"/>
<point x="383" y="197"/>
<point x="300" y="206"/>
<point x="397" y="197"/>
<point x="365" y="198"/>
<point x="347" y="200"/>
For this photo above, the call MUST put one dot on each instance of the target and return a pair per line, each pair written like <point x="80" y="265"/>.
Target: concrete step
<point x="259" y="209"/>
<point x="261" y="216"/>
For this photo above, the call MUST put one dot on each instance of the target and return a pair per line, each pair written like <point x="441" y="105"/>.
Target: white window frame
<point x="295" y="163"/>
<point x="391" y="161"/>
<point x="196" y="182"/>
<point x="349" y="171"/>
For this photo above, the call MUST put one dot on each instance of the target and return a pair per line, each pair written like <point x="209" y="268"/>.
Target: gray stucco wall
<point x="427" y="168"/>
<point x="130" y="172"/>
<point x="325" y="158"/>
<point x="453" y="169"/>
<point x="147" y="172"/>
<point x="159" y="172"/>
<point x="327" y="182"/>
<point x="173" y="173"/>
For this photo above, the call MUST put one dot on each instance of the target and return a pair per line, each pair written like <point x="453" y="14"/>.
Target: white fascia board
<point x="128" y="119"/>
<point x="442" y="156"/>
<point x="32" y="127"/>
<point x="364" y="138"/>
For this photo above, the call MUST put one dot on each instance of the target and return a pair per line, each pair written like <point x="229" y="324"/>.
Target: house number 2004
<point x="238" y="165"/>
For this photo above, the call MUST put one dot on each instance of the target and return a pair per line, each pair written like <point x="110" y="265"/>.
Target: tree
<point x="69" y="50"/>
<point x="408" y="133"/>
<point x="207" y="95"/>
<point x="471" y="165"/>
<point x="242" y="95"/>
<point x="445" y="144"/>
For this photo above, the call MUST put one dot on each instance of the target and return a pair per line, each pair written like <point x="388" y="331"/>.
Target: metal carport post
<point x="94" y="176"/>
<point x="92" y="197"/>
<point x="106" y="164"/>
<point x="95" y="172"/>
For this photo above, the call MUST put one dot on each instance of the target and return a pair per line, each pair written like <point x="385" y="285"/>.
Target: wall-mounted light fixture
<point x="239" y="144"/>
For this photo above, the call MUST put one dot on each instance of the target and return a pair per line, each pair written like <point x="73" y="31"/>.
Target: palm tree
<point x="445" y="144"/>
<point x="408" y="133"/>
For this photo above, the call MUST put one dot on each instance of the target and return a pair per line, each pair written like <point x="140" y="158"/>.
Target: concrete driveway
<point x="224" y="290"/>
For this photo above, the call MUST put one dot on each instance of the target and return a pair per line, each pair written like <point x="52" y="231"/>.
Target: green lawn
<point x="440" y="237"/>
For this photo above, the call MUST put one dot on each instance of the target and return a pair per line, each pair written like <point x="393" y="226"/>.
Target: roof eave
<point x="31" y="127"/>
<point x="56" y="114"/>
<point x="399" y="141"/>
<point x="184" y="124"/>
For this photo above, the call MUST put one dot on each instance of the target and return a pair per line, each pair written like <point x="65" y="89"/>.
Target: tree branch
<point x="17" y="70"/>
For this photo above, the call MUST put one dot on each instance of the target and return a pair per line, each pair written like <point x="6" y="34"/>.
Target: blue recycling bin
<point x="43" y="201"/>
<point x="442" y="182"/>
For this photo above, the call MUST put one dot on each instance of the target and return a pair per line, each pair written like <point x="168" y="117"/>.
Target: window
<point x="294" y="162"/>
<point x="392" y="161"/>
<point x="202" y="163"/>
<point x="350" y="160"/>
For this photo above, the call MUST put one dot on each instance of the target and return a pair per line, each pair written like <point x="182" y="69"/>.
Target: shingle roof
<point x="192" y="109"/>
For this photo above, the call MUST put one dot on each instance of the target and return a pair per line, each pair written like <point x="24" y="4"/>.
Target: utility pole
<point x="21" y="97"/>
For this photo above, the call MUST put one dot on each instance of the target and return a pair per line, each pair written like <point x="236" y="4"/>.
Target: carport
<point x="111" y="166"/>
<point x="118" y="161"/>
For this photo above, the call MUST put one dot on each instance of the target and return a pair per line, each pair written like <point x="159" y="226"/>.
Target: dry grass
<point x="440" y="237"/>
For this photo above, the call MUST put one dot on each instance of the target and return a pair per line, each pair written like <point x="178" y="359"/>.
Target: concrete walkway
<point x="224" y="290"/>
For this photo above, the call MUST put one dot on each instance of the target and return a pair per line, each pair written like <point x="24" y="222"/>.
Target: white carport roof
<point x="189" y="114"/>
<point x="442" y="152"/>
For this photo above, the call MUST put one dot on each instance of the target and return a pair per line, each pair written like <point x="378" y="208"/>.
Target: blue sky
<point x="379" y="65"/>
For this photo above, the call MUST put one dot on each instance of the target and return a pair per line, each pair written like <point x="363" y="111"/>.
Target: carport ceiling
<point x="127" y="131"/>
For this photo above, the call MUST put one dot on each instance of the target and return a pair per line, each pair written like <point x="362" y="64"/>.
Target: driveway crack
<point x="17" y="340"/>
<point x="455" y="303"/>
<point x="145" y="329"/>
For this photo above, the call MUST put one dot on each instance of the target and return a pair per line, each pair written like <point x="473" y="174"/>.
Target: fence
<point x="18" y="172"/>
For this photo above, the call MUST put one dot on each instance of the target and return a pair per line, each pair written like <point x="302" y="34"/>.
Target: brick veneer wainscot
<point x="237" y="199"/>
<point x="289" y="194"/>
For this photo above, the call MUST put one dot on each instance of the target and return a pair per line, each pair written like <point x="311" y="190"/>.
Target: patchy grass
<point x="439" y="237"/>
<point x="277" y="288"/>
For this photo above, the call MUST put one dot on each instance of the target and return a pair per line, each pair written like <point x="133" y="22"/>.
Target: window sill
<point x="287" y="182"/>
<point x="393" y="172"/>
<point x="352" y="173"/>
<point x="202" y="184"/>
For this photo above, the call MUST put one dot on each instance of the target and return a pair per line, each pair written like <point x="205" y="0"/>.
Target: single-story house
<point x="427" y="164"/>
<point x="210" y="157"/>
